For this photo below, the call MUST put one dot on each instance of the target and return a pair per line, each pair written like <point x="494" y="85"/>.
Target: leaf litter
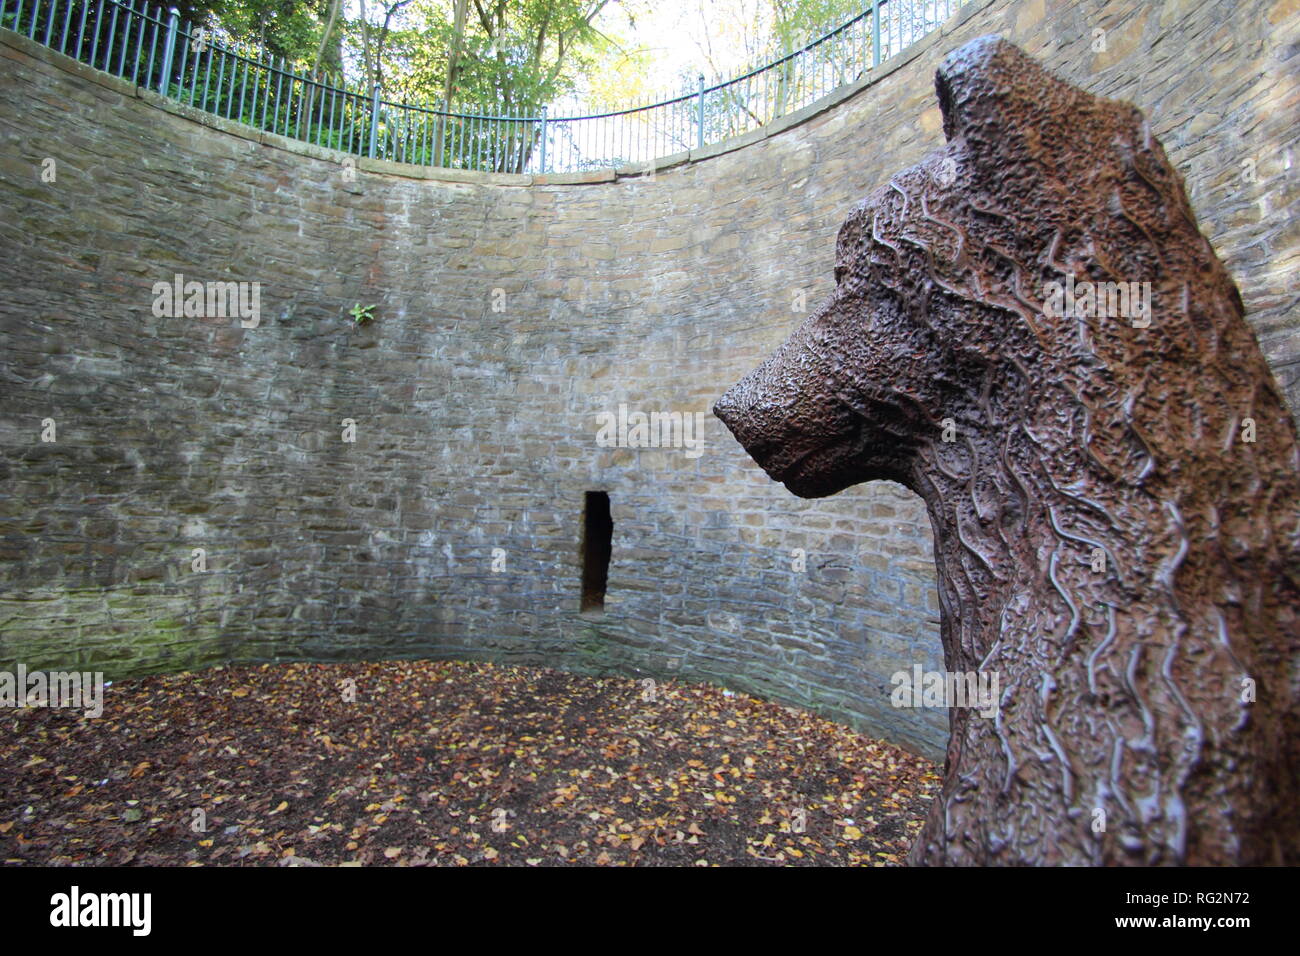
<point x="446" y="763"/>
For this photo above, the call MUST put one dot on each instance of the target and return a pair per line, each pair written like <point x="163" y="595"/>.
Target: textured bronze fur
<point x="1108" y="539"/>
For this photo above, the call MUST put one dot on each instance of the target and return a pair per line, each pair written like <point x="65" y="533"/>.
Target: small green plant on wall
<point x="362" y="313"/>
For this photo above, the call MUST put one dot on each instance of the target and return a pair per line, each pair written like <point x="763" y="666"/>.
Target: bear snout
<point x="787" y="416"/>
<point x="727" y="408"/>
<point x="753" y="419"/>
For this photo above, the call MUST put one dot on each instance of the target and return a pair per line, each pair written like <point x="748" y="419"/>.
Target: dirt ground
<point x="417" y="763"/>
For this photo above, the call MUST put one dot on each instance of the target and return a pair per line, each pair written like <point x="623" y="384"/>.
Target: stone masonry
<point x="510" y="312"/>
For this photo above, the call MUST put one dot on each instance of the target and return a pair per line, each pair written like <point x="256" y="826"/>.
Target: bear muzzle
<point x="794" y="425"/>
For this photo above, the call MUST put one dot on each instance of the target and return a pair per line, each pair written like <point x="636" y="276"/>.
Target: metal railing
<point x="155" y="49"/>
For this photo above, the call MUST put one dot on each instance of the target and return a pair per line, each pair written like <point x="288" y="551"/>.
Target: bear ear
<point x="992" y="82"/>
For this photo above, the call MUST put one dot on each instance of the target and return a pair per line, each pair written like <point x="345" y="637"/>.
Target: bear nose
<point x="747" y="415"/>
<point x="737" y="408"/>
<point x="727" y="407"/>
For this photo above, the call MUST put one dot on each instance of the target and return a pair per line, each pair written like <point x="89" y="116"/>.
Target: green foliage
<point x="798" y="22"/>
<point x="509" y="58"/>
<point x="283" y="28"/>
<point x="514" y="56"/>
<point x="361" y="313"/>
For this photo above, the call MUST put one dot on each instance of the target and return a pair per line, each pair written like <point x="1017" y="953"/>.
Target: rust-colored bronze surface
<point x="1113" y="490"/>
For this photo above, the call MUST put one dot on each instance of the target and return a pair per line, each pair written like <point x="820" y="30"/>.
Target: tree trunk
<point x="459" y="13"/>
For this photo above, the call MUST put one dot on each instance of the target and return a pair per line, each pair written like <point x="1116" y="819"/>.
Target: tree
<point x="766" y="31"/>
<point x="456" y="46"/>
<point x="329" y="41"/>
<point x="282" y="28"/>
<point x="374" y="39"/>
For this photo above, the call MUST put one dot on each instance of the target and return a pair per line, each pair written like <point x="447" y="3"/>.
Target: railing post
<point x="374" y="121"/>
<point x="700" y="121"/>
<point x="875" y="33"/>
<point x="169" y="50"/>
<point x="440" y="134"/>
<point x="541" y="166"/>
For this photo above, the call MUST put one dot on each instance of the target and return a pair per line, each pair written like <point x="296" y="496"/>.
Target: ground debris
<point x="419" y="763"/>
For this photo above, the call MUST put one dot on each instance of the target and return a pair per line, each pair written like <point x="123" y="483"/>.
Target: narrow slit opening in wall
<point x="597" y="538"/>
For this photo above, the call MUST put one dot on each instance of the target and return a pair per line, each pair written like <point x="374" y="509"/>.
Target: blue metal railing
<point x="153" y="48"/>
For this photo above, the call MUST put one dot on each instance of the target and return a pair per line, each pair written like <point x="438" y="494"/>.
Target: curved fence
<point x="154" y="48"/>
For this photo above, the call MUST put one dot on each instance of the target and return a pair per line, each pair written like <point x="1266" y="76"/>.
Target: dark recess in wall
<point x="597" y="538"/>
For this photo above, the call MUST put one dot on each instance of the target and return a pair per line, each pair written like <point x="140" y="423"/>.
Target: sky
<point x="682" y="36"/>
<point x="685" y="37"/>
<point x="679" y="34"/>
<point x="679" y="39"/>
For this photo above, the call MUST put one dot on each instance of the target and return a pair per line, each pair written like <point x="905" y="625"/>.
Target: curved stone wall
<point x="510" y="313"/>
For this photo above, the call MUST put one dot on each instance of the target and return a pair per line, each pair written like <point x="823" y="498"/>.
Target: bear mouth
<point x="820" y="471"/>
<point x="847" y="447"/>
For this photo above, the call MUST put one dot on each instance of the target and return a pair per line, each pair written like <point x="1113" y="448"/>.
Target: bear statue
<point x="1029" y="331"/>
